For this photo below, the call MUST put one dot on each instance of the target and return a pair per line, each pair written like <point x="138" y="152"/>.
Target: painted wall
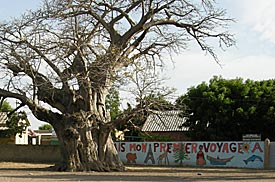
<point x="215" y="154"/>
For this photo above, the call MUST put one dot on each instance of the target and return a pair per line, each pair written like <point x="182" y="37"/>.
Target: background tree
<point x="149" y="104"/>
<point x="146" y="86"/>
<point x="45" y="127"/>
<point x="62" y="59"/>
<point x="113" y="103"/>
<point x="6" y="107"/>
<point x="17" y="121"/>
<point x="227" y="109"/>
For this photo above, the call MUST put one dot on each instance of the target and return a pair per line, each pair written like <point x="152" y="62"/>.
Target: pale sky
<point x="253" y="57"/>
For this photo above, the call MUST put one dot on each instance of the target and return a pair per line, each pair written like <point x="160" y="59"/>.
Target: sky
<point x="253" y="57"/>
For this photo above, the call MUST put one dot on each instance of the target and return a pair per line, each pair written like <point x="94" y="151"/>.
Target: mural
<point x="180" y="154"/>
<point x="131" y="158"/>
<point x="200" y="157"/>
<point x="218" y="161"/>
<point x="225" y="154"/>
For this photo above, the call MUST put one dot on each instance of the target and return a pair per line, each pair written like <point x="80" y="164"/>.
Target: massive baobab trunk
<point x="86" y="146"/>
<point x="84" y="136"/>
<point x="84" y="130"/>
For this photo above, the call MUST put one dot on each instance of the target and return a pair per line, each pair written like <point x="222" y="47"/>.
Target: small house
<point x="5" y="135"/>
<point x="4" y="138"/>
<point x="46" y="137"/>
<point x="166" y="123"/>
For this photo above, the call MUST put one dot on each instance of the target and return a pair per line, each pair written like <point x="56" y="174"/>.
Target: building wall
<point x="272" y="155"/>
<point x="30" y="153"/>
<point x="227" y="154"/>
<point x="22" y="138"/>
<point x="8" y="140"/>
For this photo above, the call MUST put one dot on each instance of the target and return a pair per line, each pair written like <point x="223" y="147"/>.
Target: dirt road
<point x="25" y="172"/>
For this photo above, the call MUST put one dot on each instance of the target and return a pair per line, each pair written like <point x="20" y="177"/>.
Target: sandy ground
<point x="24" y="172"/>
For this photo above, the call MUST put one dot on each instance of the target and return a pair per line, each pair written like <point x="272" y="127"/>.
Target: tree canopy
<point x="17" y="121"/>
<point x="45" y="127"/>
<point x="227" y="109"/>
<point x="62" y="59"/>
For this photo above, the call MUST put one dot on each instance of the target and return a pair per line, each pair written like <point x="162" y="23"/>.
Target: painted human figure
<point x="200" y="157"/>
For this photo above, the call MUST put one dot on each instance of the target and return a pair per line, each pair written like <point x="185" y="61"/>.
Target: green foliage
<point x="6" y="107"/>
<point x="155" y="137"/>
<point x="226" y="109"/>
<point x="113" y="103"/>
<point x="180" y="154"/>
<point x="45" y="127"/>
<point x="17" y="122"/>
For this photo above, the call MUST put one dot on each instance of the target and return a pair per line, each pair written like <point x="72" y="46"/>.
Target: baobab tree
<point x="61" y="60"/>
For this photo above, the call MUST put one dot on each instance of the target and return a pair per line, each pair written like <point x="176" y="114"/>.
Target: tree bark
<point x="85" y="147"/>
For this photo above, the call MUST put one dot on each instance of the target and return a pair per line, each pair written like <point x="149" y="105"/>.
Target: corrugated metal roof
<point x="3" y="121"/>
<point x="164" y="121"/>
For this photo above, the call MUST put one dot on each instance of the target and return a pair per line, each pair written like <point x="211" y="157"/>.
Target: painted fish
<point x="252" y="159"/>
